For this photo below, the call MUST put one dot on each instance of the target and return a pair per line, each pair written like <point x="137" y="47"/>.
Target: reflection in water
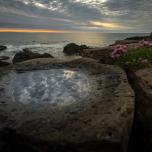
<point x="69" y="74"/>
<point x="55" y="86"/>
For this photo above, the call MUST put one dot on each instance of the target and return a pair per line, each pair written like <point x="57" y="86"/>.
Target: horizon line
<point x="28" y="30"/>
<point x="20" y="30"/>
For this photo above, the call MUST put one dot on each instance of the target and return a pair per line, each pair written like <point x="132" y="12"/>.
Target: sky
<point x="127" y="16"/>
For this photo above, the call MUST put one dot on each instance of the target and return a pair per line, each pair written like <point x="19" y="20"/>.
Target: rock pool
<point x="54" y="86"/>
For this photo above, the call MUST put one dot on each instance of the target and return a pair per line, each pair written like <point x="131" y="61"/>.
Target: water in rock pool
<point x="55" y="86"/>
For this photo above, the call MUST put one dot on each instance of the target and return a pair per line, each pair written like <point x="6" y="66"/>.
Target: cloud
<point x="115" y="15"/>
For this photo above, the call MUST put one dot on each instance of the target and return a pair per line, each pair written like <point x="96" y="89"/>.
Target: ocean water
<point x="53" y="43"/>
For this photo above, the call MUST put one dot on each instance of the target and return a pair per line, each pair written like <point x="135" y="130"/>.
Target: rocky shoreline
<point x="111" y="119"/>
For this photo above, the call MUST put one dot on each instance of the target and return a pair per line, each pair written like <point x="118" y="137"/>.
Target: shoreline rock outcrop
<point x="140" y="38"/>
<point x="27" y="54"/>
<point x="125" y="42"/>
<point x="106" y="120"/>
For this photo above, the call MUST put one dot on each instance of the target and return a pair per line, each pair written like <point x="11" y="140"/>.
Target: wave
<point x="55" y="49"/>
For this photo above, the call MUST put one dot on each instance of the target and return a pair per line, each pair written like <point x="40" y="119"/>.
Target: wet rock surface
<point x="74" y="49"/>
<point x="77" y="105"/>
<point x="27" y="54"/>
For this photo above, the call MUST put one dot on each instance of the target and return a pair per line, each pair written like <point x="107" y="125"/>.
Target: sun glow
<point x="30" y="30"/>
<point x="40" y="5"/>
<point x="107" y="25"/>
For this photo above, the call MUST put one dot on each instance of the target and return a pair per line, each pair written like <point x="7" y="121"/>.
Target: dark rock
<point x="4" y="58"/>
<point x="139" y="38"/>
<point x="150" y="35"/>
<point x="10" y="141"/>
<point x="2" y="63"/>
<point x="101" y="54"/>
<point x="27" y="54"/>
<point x="141" y="81"/>
<point x="124" y="42"/>
<point x="2" y="48"/>
<point x="74" y="49"/>
<point x="97" y="121"/>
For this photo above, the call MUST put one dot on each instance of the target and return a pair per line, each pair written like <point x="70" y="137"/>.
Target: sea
<point x="53" y="43"/>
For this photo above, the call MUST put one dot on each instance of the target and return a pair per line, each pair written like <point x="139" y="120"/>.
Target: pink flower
<point x="118" y="51"/>
<point x="148" y="43"/>
<point x="145" y="61"/>
<point x="115" y="55"/>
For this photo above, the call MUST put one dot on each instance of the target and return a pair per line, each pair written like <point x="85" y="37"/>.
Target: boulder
<point x="101" y="54"/>
<point x="27" y="54"/>
<point x="88" y="107"/>
<point x="74" y="49"/>
<point x="141" y="81"/>
<point x="2" y="47"/>
<point x="2" y="63"/>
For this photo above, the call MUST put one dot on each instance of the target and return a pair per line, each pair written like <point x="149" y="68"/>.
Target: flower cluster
<point x="118" y="51"/>
<point x="140" y="60"/>
<point x="147" y="43"/>
<point x="137" y="45"/>
<point x="121" y="49"/>
<point x="145" y="61"/>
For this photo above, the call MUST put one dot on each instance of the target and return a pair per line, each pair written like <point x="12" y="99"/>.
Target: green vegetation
<point x="135" y="57"/>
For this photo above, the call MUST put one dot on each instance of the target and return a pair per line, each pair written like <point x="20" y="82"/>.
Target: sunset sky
<point x="76" y="15"/>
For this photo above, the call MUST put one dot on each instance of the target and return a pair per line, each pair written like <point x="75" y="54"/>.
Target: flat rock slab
<point x="79" y="104"/>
